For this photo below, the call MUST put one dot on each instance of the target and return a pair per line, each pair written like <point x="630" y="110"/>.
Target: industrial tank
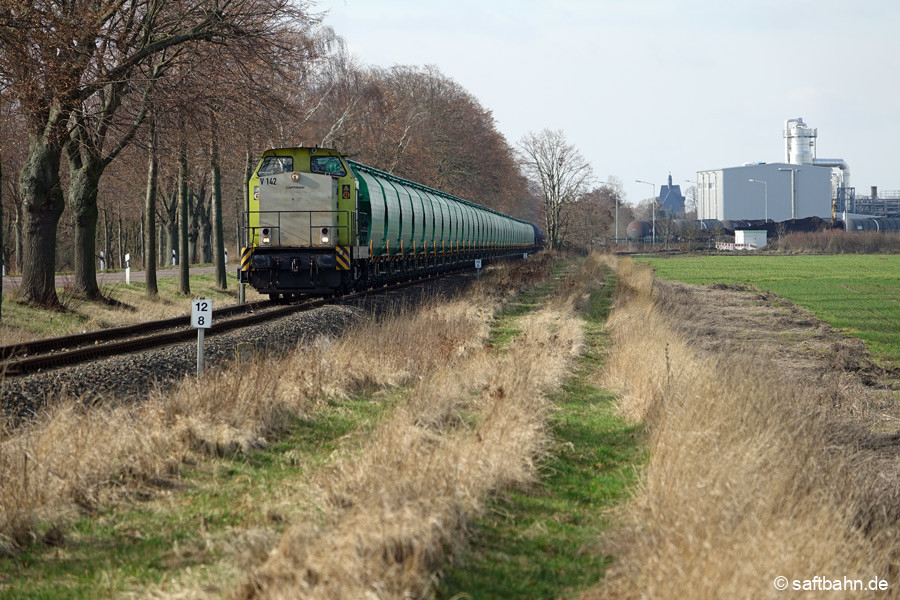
<point x="800" y="149"/>
<point x="638" y="229"/>
<point x="682" y="224"/>
<point x="871" y="224"/>
<point x="800" y="142"/>
<point x="710" y="224"/>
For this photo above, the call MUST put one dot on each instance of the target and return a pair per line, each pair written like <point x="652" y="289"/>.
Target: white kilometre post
<point x="201" y="320"/>
<point x="127" y="269"/>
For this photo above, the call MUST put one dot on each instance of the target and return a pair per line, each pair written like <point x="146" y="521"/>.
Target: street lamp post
<point x="653" y="185"/>
<point x="616" y="236"/>
<point x="765" y="195"/>
<point x="615" y="194"/>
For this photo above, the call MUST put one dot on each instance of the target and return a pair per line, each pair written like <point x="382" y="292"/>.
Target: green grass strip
<point x="544" y="542"/>
<point x="159" y="535"/>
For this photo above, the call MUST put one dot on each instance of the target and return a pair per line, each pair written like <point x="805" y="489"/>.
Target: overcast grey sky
<point x="645" y="87"/>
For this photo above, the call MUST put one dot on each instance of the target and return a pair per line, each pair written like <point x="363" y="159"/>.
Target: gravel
<point x="130" y="377"/>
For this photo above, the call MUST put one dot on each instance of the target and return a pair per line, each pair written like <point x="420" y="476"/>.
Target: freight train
<point x="320" y="224"/>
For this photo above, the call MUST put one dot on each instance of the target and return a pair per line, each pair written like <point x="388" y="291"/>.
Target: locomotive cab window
<point x="273" y="165"/>
<point x="326" y="165"/>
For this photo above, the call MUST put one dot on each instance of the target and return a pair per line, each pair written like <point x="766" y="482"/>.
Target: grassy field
<point x="857" y="294"/>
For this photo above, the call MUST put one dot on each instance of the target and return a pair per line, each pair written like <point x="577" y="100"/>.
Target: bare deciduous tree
<point x="70" y="65"/>
<point x="590" y="220"/>
<point x="419" y="124"/>
<point x="561" y="173"/>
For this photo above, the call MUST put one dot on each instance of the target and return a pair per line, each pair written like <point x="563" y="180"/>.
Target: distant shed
<point x="749" y="237"/>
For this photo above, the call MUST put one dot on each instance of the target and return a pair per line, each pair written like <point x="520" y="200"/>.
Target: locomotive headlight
<point x="256" y="193"/>
<point x="266" y="236"/>
<point x="325" y="237"/>
<point x="295" y="176"/>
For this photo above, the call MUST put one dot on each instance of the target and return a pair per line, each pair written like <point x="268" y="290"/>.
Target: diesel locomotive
<point x="320" y="224"/>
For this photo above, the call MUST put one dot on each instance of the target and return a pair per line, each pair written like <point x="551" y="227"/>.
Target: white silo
<point x="800" y="149"/>
<point x="799" y="142"/>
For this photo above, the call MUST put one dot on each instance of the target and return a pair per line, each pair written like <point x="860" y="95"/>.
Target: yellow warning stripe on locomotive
<point x="246" y="255"/>
<point x="343" y="258"/>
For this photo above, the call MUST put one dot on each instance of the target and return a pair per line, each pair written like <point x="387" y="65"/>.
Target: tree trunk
<point x="2" y="248"/>
<point x="104" y="251"/>
<point x="19" y="237"/>
<point x="192" y="226"/>
<point x="171" y="210"/>
<point x="172" y="247"/>
<point x="150" y="214"/>
<point x="195" y="215"/>
<point x="184" y="274"/>
<point x="42" y="205"/>
<point x="204" y="240"/>
<point x="84" y="179"/>
<point x="218" y="232"/>
<point x="204" y="230"/>
<point x="122" y="242"/>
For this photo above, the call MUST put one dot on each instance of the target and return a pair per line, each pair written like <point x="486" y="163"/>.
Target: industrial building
<point x="801" y="186"/>
<point x="776" y="191"/>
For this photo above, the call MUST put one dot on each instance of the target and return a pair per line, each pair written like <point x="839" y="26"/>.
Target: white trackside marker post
<point x="201" y="320"/>
<point x="127" y="269"/>
<point x="477" y="268"/>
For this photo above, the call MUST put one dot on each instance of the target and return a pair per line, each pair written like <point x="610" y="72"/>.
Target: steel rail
<point x="55" y="352"/>
<point x="23" y="366"/>
<point x="112" y="333"/>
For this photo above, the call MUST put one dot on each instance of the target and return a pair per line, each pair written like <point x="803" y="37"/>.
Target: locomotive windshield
<point x="273" y="165"/>
<point x="326" y="165"/>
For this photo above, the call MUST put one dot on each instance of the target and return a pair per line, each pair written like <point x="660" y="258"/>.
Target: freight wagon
<point x="320" y="224"/>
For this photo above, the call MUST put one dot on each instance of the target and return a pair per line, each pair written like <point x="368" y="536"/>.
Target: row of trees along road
<point x="146" y="114"/>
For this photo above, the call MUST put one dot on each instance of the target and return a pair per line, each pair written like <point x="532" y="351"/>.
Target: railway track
<point x="22" y="359"/>
<point x="40" y="355"/>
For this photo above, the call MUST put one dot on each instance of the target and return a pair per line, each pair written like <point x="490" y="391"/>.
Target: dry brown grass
<point x="45" y="479"/>
<point x="751" y="475"/>
<point x="475" y="425"/>
<point x="475" y="414"/>
<point x="73" y="457"/>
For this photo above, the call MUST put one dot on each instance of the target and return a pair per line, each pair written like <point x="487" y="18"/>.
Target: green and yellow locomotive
<point x="320" y="224"/>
